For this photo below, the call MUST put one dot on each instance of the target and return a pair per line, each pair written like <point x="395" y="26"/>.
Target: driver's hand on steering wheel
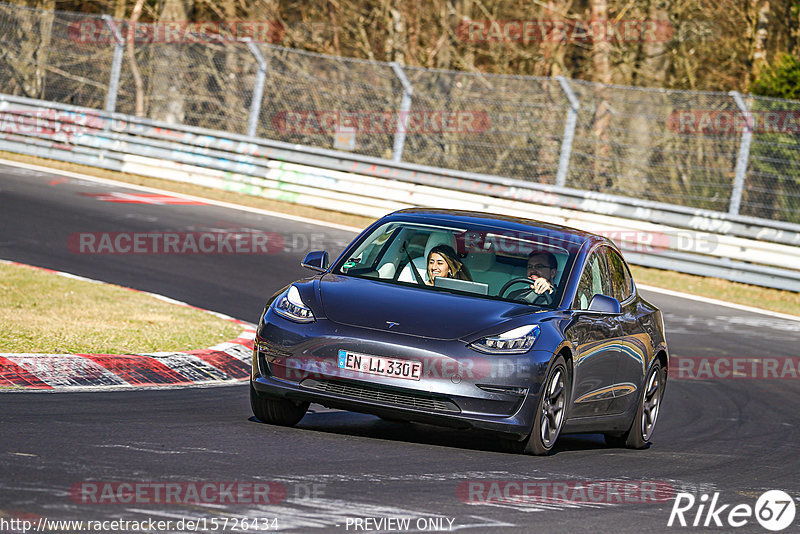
<point x="540" y="285"/>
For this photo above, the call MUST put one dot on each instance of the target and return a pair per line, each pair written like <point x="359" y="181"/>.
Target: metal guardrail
<point x="695" y="241"/>
<point x="722" y="151"/>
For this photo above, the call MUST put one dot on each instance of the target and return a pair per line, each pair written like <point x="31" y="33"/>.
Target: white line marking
<point x="205" y="200"/>
<point x="716" y="302"/>
<point x="141" y="449"/>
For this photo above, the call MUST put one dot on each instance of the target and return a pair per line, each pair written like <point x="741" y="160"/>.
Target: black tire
<point x="644" y="423"/>
<point x="281" y="412"/>
<point x="510" y="446"/>
<point x="550" y="411"/>
<point x="615" y="440"/>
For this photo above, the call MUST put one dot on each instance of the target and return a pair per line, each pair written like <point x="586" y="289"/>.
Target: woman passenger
<point x="443" y="261"/>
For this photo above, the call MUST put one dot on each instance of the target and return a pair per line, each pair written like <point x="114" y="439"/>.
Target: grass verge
<point x="44" y="312"/>
<point x="716" y="288"/>
<point x="759" y="297"/>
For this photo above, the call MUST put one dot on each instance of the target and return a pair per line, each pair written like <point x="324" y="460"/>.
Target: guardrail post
<point x="116" y="66"/>
<point x="744" y="154"/>
<point x="569" y="131"/>
<point x="258" y="90"/>
<point x="405" y="108"/>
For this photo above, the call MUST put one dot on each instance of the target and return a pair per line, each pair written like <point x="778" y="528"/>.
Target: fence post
<point x="258" y="90"/>
<point x="405" y="108"/>
<point x="569" y="131"/>
<point x="744" y="154"/>
<point x="116" y="66"/>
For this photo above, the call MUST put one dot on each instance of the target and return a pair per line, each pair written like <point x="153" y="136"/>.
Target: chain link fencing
<point x="688" y="148"/>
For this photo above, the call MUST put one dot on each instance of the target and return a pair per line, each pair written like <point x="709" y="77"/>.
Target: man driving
<point x="541" y="269"/>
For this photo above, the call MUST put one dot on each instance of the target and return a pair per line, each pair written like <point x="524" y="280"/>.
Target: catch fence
<point x="725" y="152"/>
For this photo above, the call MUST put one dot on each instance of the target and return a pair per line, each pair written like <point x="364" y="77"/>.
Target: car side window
<point x="594" y="280"/>
<point x="620" y="276"/>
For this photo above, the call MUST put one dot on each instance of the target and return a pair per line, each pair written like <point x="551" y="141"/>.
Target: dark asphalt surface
<point x="736" y="437"/>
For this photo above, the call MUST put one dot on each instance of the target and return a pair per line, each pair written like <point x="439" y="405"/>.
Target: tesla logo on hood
<point x="390" y="324"/>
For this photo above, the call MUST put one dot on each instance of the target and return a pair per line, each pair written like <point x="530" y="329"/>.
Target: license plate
<point x="378" y="365"/>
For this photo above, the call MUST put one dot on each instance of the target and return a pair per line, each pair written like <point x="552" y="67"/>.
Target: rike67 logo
<point x="774" y="510"/>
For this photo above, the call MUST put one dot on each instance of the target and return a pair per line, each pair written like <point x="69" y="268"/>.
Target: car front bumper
<point x="458" y="387"/>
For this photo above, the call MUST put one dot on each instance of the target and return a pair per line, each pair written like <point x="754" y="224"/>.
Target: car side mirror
<point x="604" y="304"/>
<point x="316" y="260"/>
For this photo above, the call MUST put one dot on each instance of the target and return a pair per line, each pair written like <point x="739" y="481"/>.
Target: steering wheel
<point x="518" y="280"/>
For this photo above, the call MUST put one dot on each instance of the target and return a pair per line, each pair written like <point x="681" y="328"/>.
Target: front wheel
<point x="550" y="410"/>
<point x="283" y="412"/>
<point x="643" y="425"/>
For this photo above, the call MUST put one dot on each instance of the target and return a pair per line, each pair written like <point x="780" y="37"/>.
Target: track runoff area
<point x="726" y="436"/>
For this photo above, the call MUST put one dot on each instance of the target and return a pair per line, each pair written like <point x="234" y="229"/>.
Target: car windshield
<point x="479" y="260"/>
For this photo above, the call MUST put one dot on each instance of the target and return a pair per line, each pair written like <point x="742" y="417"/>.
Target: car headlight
<point x="514" y="341"/>
<point x="292" y="307"/>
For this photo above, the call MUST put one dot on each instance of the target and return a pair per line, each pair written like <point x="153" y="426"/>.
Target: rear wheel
<point x="550" y="410"/>
<point x="643" y="425"/>
<point x="282" y="412"/>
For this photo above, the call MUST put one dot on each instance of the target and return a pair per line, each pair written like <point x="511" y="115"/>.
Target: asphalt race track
<point x="735" y="437"/>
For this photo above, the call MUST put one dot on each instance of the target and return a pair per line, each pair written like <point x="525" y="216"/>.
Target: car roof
<point x="501" y="222"/>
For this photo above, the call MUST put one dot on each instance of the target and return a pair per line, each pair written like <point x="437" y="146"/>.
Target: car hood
<point x="416" y="311"/>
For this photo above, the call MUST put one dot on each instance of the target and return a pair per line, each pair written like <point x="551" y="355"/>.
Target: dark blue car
<point x="468" y="320"/>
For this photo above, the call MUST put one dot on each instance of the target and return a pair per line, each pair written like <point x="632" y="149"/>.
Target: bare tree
<point x="131" y="51"/>
<point x="650" y="67"/>
<point x="759" y="46"/>
<point x="601" y="51"/>
<point x="167" y="89"/>
<point x="27" y="62"/>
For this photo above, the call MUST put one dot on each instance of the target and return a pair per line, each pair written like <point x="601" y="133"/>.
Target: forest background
<point x="716" y="45"/>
